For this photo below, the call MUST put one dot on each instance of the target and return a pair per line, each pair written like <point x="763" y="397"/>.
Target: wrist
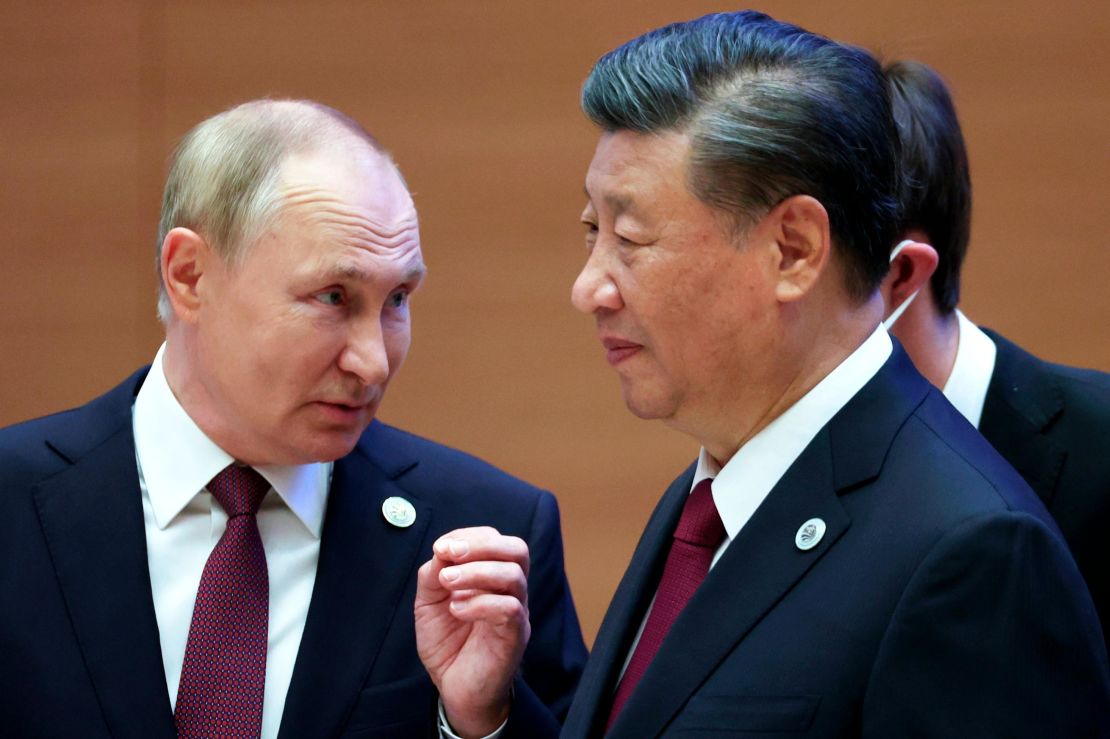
<point x="476" y="724"/>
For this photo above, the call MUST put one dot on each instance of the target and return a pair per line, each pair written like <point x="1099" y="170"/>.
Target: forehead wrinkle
<point x="318" y="206"/>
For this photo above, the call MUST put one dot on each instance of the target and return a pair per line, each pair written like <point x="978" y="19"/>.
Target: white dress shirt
<point x="183" y="524"/>
<point x="967" y="384"/>
<point x="749" y="476"/>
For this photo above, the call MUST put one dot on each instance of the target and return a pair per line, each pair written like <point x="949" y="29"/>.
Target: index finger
<point x="481" y="543"/>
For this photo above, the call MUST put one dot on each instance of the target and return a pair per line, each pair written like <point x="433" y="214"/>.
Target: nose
<point x="594" y="289"/>
<point x="365" y="355"/>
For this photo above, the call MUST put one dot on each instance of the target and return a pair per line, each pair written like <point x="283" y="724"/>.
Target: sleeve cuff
<point x="445" y="731"/>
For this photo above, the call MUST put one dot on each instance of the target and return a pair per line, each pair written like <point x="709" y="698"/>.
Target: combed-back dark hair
<point x="771" y="111"/>
<point x="936" y="179"/>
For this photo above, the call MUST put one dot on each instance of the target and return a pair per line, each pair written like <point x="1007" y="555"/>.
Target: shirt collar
<point x="967" y="384"/>
<point x="178" y="460"/>
<point x="745" y="480"/>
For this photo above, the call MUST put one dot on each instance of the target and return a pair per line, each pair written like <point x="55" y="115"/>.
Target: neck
<point x="178" y="364"/>
<point x="820" y="348"/>
<point x="930" y="338"/>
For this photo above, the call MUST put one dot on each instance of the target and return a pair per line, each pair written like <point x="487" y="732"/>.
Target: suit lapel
<point x="589" y="711"/>
<point x="92" y="519"/>
<point x="1022" y="401"/>
<point x="759" y="567"/>
<point x="365" y="566"/>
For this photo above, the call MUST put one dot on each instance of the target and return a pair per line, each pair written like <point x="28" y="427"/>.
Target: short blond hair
<point x="223" y="175"/>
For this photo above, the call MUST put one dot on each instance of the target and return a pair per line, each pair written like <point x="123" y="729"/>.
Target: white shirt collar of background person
<point x="176" y="460"/>
<point x="741" y="485"/>
<point x="967" y="384"/>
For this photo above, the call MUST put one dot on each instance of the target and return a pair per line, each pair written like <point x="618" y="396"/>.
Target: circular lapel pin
<point x="809" y="535"/>
<point x="398" y="512"/>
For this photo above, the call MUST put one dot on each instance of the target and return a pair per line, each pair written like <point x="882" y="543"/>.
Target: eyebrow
<point x="348" y="271"/>
<point x="617" y="201"/>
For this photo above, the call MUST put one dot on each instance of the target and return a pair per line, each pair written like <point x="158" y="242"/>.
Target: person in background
<point x="1049" y="421"/>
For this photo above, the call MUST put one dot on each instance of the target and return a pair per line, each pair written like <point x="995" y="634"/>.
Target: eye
<point x="333" y="297"/>
<point x="591" y="233"/>
<point x="399" y="299"/>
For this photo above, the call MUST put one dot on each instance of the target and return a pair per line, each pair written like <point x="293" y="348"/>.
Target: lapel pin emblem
<point x="809" y="535"/>
<point x="398" y="512"/>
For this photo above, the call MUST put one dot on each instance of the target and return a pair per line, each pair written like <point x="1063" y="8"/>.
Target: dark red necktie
<point x="223" y="677"/>
<point x="696" y="538"/>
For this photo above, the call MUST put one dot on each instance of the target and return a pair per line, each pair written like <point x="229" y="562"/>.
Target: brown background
<point x="477" y="101"/>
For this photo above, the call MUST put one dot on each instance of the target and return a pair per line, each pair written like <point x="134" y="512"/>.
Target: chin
<point x="645" y="406"/>
<point x="336" y="449"/>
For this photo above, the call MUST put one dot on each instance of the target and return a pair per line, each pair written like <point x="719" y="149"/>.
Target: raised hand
<point x="472" y="625"/>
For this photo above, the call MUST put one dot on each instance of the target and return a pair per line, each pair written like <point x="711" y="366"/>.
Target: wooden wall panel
<point x="69" y="241"/>
<point x="478" y="102"/>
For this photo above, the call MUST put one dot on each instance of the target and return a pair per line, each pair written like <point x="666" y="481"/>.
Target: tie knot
<point x="239" y="489"/>
<point x="700" y="524"/>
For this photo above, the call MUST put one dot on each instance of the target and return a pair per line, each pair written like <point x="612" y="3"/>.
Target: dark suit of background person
<point x="296" y="337"/>
<point x="1052" y="423"/>
<point x="940" y="600"/>
<point x="79" y="637"/>
<point x="1049" y="421"/>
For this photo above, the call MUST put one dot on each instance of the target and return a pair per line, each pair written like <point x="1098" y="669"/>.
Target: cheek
<point x="397" y="337"/>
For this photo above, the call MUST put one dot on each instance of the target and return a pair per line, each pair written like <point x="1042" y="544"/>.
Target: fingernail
<point x="450" y="574"/>
<point x="440" y="547"/>
<point x="458" y="605"/>
<point x="458" y="547"/>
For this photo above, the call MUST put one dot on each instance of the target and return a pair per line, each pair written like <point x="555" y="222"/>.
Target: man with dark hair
<point x="847" y="556"/>
<point x="1049" y="421"/>
<point x="228" y="544"/>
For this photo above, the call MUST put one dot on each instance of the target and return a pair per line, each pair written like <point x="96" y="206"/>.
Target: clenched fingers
<point x="481" y="543"/>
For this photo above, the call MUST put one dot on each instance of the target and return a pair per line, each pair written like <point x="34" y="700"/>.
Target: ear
<point x="909" y="272"/>
<point x="186" y="255"/>
<point x="799" y="226"/>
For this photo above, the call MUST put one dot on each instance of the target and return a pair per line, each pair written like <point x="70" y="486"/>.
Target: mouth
<point x="343" y="413"/>
<point x="618" y="350"/>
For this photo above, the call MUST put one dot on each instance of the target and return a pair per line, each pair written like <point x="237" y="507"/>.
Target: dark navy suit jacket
<point x="1052" y="423"/>
<point x="941" y="601"/>
<point x="79" y="649"/>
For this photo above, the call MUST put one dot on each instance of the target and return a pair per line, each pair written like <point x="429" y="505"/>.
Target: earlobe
<point x="801" y="226"/>
<point x="185" y="256"/>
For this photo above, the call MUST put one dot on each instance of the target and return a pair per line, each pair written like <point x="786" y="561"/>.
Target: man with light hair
<point x="846" y="557"/>
<point x="228" y="544"/>
<point x="1049" y="421"/>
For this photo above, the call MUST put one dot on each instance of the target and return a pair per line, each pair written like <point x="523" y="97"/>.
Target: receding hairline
<point x="322" y="121"/>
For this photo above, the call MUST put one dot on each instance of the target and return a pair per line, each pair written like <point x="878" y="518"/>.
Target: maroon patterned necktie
<point x="224" y="674"/>
<point x="696" y="538"/>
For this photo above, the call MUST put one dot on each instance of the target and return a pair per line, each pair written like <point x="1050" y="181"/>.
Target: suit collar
<point x="97" y="420"/>
<point x="1022" y="385"/>
<point x="97" y="544"/>
<point x="365" y="568"/>
<point x="860" y="435"/>
<point x="1023" y="400"/>
<point x="760" y="566"/>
